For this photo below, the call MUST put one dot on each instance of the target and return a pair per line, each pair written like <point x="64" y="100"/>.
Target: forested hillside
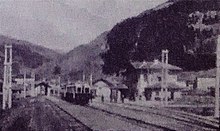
<point x="26" y="56"/>
<point x="187" y="28"/>
<point x="84" y="58"/>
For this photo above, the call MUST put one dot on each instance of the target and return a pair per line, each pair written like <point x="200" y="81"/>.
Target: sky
<point x="65" y="24"/>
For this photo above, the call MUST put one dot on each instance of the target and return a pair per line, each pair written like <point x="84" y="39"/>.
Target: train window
<point x="83" y="87"/>
<point x="78" y="90"/>
<point x="86" y="90"/>
<point x="68" y="89"/>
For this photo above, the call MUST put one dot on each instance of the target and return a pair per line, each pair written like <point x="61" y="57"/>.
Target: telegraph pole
<point x="165" y="76"/>
<point x="217" y="78"/>
<point x="24" y="81"/>
<point x="84" y="77"/>
<point x="33" y="84"/>
<point x="59" y="85"/>
<point x="7" y="93"/>
<point x="164" y="90"/>
<point x="162" y="79"/>
<point x="91" y="79"/>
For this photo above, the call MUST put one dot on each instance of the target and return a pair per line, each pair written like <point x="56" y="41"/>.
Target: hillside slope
<point x="84" y="58"/>
<point x="187" y="28"/>
<point x="26" y="55"/>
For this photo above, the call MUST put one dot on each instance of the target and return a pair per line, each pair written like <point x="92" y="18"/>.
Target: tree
<point x="57" y="70"/>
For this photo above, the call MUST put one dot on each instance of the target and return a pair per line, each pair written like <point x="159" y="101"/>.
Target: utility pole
<point x="84" y="77"/>
<point x="91" y="79"/>
<point x="164" y="90"/>
<point x="59" y="85"/>
<point x="166" y="76"/>
<point x="217" y="78"/>
<point x="33" y="84"/>
<point x="91" y="75"/>
<point x="162" y="80"/>
<point x="7" y="84"/>
<point x="24" y="81"/>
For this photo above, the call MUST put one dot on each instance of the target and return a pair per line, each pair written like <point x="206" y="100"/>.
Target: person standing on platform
<point x="122" y="98"/>
<point x="102" y="98"/>
<point x="110" y="97"/>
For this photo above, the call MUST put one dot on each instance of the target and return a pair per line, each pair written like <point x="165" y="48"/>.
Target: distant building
<point x="154" y="93"/>
<point x="19" y="79"/>
<point x="205" y="83"/>
<point x="18" y="84"/>
<point x="109" y="89"/>
<point x="149" y="78"/>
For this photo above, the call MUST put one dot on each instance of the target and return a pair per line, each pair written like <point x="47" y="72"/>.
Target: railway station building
<point x="149" y="78"/>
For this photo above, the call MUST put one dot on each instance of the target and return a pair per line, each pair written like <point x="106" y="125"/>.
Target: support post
<point x="7" y="85"/>
<point x="162" y="80"/>
<point x="165" y="77"/>
<point x="33" y="84"/>
<point x="164" y="74"/>
<point x="24" y="81"/>
<point x="217" y="78"/>
<point x="59" y="85"/>
<point x="84" y="77"/>
<point x="91" y="79"/>
<point x="10" y="79"/>
<point x="5" y="81"/>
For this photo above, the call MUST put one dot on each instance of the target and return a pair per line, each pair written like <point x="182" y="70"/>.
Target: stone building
<point x="149" y="79"/>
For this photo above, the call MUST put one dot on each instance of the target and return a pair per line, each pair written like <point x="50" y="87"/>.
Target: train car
<point x="77" y="93"/>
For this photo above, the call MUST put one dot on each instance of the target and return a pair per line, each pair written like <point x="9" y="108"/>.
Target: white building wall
<point x="205" y="83"/>
<point x="177" y="95"/>
<point x="102" y="89"/>
<point x="21" y="80"/>
<point x="172" y="78"/>
<point x="142" y="84"/>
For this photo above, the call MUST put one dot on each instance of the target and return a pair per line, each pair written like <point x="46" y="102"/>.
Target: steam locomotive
<point x="77" y="93"/>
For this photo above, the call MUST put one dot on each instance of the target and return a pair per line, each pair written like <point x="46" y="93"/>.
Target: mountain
<point x="85" y="58"/>
<point x="187" y="28"/>
<point x="27" y="55"/>
<point x="52" y="23"/>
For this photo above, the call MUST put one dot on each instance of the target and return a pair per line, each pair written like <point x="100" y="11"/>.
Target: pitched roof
<point x="153" y="65"/>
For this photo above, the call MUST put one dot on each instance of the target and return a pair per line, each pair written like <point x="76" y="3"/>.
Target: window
<point x="83" y="87"/>
<point x="159" y="78"/>
<point x="86" y="90"/>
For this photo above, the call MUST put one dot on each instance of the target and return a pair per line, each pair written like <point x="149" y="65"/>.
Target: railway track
<point x="140" y="123"/>
<point x="145" y="125"/>
<point x="181" y="120"/>
<point x="70" y="122"/>
<point x="180" y="117"/>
